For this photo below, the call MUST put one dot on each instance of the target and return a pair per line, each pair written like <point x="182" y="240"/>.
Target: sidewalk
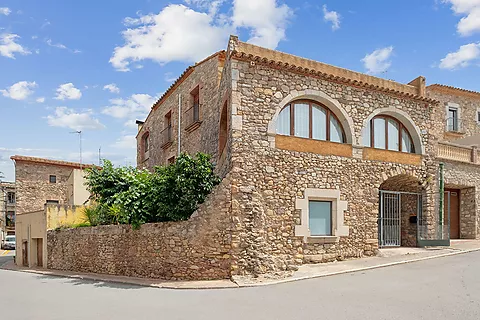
<point x="387" y="257"/>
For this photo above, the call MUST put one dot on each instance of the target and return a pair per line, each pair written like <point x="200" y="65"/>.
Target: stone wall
<point x="206" y="77"/>
<point x="267" y="181"/>
<point x="34" y="187"/>
<point x="468" y="108"/>
<point x="197" y="249"/>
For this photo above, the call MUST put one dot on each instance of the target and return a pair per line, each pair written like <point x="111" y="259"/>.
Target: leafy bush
<point x="127" y="195"/>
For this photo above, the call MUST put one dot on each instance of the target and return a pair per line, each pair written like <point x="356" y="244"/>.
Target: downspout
<point x="442" y="197"/>
<point x="179" y="122"/>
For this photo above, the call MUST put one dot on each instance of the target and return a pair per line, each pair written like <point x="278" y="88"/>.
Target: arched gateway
<point x="400" y="206"/>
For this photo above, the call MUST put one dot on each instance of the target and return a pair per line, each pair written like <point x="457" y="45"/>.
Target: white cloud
<point x="177" y="33"/>
<point x="470" y="9"/>
<point x="461" y="58"/>
<point x="68" y="118"/>
<point x="8" y="46"/>
<point x="56" y="45"/>
<point x="180" y="33"/>
<point x="67" y="91"/>
<point x="5" y="11"/>
<point x="40" y="100"/>
<point x="331" y="16"/>
<point x="169" y="77"/>
<point x="126" y="142"/>
<point x="266" y="20"/>
<point x="112" y="87"/>
<point x="379" y="60"/>
<point x="20" y="90"/>
<point x="61" y="46"/>
<point x="137" y="106"/>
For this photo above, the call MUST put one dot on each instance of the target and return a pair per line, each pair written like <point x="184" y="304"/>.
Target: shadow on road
<point x="94" y="283"/>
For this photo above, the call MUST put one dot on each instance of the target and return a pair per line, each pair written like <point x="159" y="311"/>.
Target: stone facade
<point x="204" y="77"/>
<point x="34" y="188"/>
<point x="258" y="224"/>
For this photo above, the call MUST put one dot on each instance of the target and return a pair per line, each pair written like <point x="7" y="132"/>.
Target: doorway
<point x="454" y="212"/>
<point x="39" y="252"/>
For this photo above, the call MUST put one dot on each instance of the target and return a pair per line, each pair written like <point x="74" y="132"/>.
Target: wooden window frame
<point x="54" y="178"/>
<point x="310" y="103"/>
<point x="401" y="127"/>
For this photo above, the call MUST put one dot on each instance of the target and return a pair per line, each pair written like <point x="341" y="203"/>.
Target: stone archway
<point x="399" y="204"/>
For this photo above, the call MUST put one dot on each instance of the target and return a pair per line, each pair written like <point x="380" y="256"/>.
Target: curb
<point x="276" y="282"/>
<point x="233" y="284"/>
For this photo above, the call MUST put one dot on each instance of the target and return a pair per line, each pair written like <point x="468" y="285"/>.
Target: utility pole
<point x="99" y="156"/>
<point x="79" y="132"/>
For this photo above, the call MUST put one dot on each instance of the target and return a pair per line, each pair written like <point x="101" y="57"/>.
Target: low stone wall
<point x="197" y="249"/>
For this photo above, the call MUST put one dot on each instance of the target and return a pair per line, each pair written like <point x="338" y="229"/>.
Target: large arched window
<point x="386" y="132"/>
<point x="308" y="119"/>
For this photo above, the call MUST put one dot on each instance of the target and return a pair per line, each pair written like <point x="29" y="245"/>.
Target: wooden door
<point x="454" y="213"/>
<point x="25" y="253"/>
<point x="40" y="252"/>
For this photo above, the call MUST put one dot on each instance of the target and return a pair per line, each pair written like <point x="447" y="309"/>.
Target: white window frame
<point x="338" y="208"/>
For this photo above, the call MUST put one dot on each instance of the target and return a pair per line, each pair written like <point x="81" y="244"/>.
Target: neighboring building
<point x="43" y="184"/>
<point x="7" y="209"/>
<point x="41" y="181"/>
<point x="320" y="163"/>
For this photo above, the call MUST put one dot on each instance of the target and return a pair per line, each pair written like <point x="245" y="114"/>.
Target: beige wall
<point x="77" y="192"/>
<point x="29" y="228"/>
<point x="58" y="216"/>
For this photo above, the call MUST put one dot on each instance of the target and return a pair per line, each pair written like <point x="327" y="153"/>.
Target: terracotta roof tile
<point x="51" y="162"/>
<point x="453" y="90"/>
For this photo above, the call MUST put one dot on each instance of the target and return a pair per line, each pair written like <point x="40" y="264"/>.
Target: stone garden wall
<point x="197" y="249"/>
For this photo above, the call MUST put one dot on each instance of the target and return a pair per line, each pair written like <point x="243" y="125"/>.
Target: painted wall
<point x="77" y="192"/>
<point x="58" y="216"/>
<point x="29" y="228"/>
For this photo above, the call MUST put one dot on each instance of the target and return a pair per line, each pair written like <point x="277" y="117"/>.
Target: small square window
<point x="171" y="160"/>
<point x="53" y="179"/>
<point x="320" y="218"/>
<point x="478" y="116"/>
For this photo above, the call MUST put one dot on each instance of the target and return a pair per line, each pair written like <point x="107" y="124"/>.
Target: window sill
<point x="323" y="239"/>
<point x="193" y="126"/>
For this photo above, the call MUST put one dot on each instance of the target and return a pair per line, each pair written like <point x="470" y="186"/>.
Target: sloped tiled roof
<point x="454" y="90"/>
<point x="51" y="162"/>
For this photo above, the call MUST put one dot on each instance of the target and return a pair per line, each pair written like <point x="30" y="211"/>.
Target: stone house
<point x="42" y="183"/>
<point x="319" y="163"/>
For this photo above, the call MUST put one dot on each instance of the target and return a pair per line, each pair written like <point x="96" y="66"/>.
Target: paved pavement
<point x="437" y="289"/>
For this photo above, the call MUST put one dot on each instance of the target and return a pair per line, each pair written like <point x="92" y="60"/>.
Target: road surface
<point x="444" y="288"/>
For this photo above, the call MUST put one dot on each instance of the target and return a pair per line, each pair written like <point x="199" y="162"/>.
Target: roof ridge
<point x="52" y="161"/>
<point x="444" y="86"/>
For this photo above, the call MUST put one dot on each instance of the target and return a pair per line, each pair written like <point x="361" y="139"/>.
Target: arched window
<point x="386" y="132"/>
<point x="308" y="119"/>
<point x="145" y="142"/>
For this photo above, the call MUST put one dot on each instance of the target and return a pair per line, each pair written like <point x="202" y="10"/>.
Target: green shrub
<point x="127" y="195"/>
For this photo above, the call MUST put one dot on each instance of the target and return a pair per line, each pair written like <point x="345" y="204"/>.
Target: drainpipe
<point x="179" y="122"/>
<point x="442" y="196"/>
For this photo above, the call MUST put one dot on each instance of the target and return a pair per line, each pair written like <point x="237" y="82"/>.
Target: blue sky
<point x="97" y="66"/>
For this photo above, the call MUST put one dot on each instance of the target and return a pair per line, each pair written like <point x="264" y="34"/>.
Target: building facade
<point x="7" y="209"/>
<point x="320" y="163"/>
<point x="48" y="193"/>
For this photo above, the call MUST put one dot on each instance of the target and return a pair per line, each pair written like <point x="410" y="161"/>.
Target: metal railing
<point x="166" y="135"/>
<point x="193" y="114"/>
<point x="454" y="125"/>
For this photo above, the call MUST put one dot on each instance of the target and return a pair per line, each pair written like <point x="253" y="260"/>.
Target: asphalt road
<point x="445" y="288"/>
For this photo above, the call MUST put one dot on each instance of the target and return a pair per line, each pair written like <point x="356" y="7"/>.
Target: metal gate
<point x="390" y="216"/>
